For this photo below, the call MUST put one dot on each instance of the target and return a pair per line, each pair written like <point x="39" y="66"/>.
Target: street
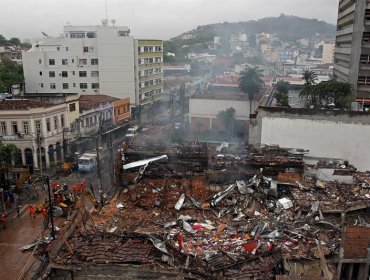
<point x="20" y="231"/>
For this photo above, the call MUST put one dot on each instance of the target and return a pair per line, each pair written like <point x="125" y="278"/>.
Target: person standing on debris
<point x="8" y="202"/>
<point x="59" y="199"/>
<point x="180" y="241"/>
<point x="3" y="221"/>
<point x="44" y="213"/>
<point x="83" y="187"/>
<point x="18" y="209"/>
<point x="32" y="211"/>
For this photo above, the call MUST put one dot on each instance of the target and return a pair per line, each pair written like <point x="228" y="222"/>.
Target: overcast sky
<point x="160" y="19"/>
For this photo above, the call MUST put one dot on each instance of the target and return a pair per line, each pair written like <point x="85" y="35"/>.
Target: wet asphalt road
<point x="19" y="232"/>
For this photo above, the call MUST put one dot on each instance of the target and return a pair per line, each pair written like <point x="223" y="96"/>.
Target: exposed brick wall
<point x="356" y="242"/>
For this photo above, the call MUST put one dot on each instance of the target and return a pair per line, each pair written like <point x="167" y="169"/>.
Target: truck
<point x="87" y="162"/>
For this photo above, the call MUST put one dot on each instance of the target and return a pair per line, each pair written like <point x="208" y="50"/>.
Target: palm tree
<point x="250" y="82"/>
<point x="310" y="77"/>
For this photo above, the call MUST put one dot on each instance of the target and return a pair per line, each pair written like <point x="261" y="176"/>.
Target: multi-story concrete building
<point x="328" y="53"/>
<point x="149" y="65"/>
<point x="352" y="50"/>
<point x="33" y="126"/>
<point x="96" y="60"/>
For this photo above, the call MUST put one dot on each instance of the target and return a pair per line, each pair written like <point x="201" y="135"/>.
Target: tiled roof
<point x="21" y="104"/>
<point x="90" y="101"/>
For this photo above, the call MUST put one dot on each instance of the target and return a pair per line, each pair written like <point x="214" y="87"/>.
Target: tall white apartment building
<point x="92" y="60"/>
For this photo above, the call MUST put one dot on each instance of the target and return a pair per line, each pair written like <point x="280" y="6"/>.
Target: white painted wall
<point x="324" y="138"/>
<point x="209" y="108"/>
<point x="115" y="56"/>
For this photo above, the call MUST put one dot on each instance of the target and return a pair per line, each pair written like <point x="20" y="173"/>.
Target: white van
<point x="132" y="131"/>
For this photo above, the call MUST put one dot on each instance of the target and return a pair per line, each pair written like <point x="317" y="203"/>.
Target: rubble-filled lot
<point x="245" y="225"/>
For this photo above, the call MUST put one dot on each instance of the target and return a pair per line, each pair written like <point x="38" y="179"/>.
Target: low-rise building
<point x="34" y="126"/>
<point x="96" y="113"/>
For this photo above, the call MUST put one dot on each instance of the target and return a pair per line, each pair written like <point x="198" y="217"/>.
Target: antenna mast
<point x="106" y="11"/>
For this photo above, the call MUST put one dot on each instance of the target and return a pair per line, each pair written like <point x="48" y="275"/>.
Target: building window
<point x="82" y="74"/>
<point x="58" y="48"/>
<point x="40" y="73"/>
<point x="52" y="74"/>
<point x="26" y="127"/>
<point x="65" y="86"/>
<point x="42" y="85"/>
<point x="51" y="61"/>
<point x="95" y="119"/>
<point x="72" y="107"/>
<point x="74" y="84"/>
<point x="122" y="33"/>
<point x="62" y="120"/>
<point x="38" y="126"/>
<point x="91" y="35"/>
<point x="73" y="73"/>
<point x="40" y="61"/>
<point x="52" y="86"/>
<point x="64" y="61"/>
<point x="67" y="49"/>
<point x="55" y="122"/>
<point x="14" y="128"/>
<point x="48" y="127"/>
<point x="95" y="74"/>
<point x="95" y="85"/>
<point x="82" y="61"/>
<point x="83" y="85"/>
<point x="3" y="128"/>
<point x="94" y="61"/>
<point x="64" y="74"/>
<point x="85" y="49"/>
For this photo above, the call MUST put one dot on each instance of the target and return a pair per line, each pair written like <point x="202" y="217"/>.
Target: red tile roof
<point x="90" y="101"/>
<point x="21" y="104"/>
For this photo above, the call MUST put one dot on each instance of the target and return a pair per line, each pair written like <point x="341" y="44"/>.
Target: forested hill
<point x="287" y="28"/>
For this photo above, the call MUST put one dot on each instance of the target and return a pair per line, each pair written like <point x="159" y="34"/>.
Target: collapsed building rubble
<point x="197" y="212"/>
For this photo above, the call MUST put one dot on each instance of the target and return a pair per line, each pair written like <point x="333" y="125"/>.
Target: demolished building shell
<point x="230" y="230"/>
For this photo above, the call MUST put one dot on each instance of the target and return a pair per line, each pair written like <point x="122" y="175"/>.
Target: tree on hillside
<point x="15" y="41"/>
<point x="2" y="39"/>
<point x="281" y="93"/>
<point x="250" y="82"/>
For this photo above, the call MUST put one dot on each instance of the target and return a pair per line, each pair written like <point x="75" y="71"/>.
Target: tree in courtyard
<point x="335" y="94"/>
<point x="10" y="73"/>
<point x="281" y="93"/>
<point x="250" y="82"/>
<point x="310" y="77"/>
<point x="228" y="118"/>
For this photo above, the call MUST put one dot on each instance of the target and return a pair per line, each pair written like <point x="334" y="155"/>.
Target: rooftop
<point x="21" y="104"/>
<point x="91" y="101"/>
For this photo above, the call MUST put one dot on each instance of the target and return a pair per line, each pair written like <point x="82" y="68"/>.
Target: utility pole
<point x="46" y="178"/>
<point x="40" y="156"/>
<point x="97" y="138"/>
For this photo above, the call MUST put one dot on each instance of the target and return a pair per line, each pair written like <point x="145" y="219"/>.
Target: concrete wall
<point x="209" y="108"/>
<point x="327" y="134"/>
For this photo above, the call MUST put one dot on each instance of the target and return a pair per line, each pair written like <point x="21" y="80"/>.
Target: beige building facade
<point x="33" y="126"/>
